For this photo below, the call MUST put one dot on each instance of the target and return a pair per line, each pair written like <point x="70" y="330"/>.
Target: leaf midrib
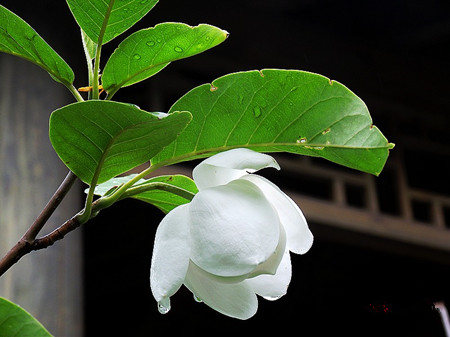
<point x="308" y="146"/>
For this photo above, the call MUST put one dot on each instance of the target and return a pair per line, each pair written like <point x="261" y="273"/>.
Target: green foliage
<point x="103" y="20"/>
<point x="16" y="322"/>
<point x="98" y="140"/>
<point x="19" y="39"/>
<point x="275" y="111"/>
<point x="163" y="199"/>
<point x="147" y="51"/>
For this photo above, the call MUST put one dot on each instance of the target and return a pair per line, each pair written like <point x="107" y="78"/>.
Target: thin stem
<point x="87" y="211"/>
<point x="188" y="195"/>
<point x="51" y="206"/>
<point x="95" y="84"/>
<point x="117" y="195"/>
<point x="95" y="91"/>
<point x="24" y="246"/>
<point x="75" y="93"/>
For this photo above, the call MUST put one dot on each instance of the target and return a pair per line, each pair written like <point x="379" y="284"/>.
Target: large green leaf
<point x="162" y="199"/>
<point x="275" y="111"/>
<point x="147" y="51"/>
<point x="16" y="322"/>
<point x="98" y="140"/>
<point x="19" y="39"/>
<point x="103" y="20"/>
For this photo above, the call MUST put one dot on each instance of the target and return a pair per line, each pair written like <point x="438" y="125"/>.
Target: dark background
<point x="393" y="54"/>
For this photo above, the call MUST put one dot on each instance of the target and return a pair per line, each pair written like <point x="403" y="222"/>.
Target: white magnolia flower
<point x="232" y="241"/>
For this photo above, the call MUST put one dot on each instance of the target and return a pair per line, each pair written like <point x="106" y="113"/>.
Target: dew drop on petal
<point x="164" y="306"/>
<point x="271" y="298"/>
<point x="197" y="299"/>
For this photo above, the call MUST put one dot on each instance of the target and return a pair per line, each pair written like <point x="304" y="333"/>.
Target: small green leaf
<point x="98" y="140"/>
<point x="89" y="46"/>
<point x="279" y="111"/>
<point x="162" y="199"/>
<point x="147" y="51"/>
<point x="18" y="38"/>
<point x="16" y="322"/>
<point x="103" y="20"/>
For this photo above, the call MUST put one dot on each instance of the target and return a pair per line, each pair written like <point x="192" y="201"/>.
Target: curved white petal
<point x="226" y="166"/>
<point x="234" y="228"/>
<point x="272" y="287"/>
<point x="171" y="251"/>
<point x="236" y="300"/>
<point x="299" y="237"/>
<point x="270" y="266"/>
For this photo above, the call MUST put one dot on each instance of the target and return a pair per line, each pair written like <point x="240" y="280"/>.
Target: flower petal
<point x="235" y="228"/>
<point x="270" y="266"/>
<point x="272" y="287"/>
<point x="299" y="237"/>
<point x="226" y="166"/>
<point x="171" y="250"/>
<point x="236" y="300"/>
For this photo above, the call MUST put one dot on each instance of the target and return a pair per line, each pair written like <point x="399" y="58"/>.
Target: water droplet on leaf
<point x="178" y="49"/>
<point x="137" y="56"/>
<point x="150" y="43"/>
<point x="302" y="140"/>
<point x="256" y="111"/>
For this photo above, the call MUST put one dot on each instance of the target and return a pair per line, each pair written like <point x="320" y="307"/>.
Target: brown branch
<point x="57" y="234"/>
<point x="51" y="206"/>
<point x="24" y="247"/>
<point x="27" y="243"/>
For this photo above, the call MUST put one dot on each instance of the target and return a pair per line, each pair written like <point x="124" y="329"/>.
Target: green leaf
<point x="162" y="199"/>
<point x="103" y="20"/>
<point x="16" y="322"/>
<point x="279" y="111"/>
<point x="98" y="140"/>
<point x="147" y="51"/>
<point x="89" y="46"/>
<point x="19" y="39"/>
